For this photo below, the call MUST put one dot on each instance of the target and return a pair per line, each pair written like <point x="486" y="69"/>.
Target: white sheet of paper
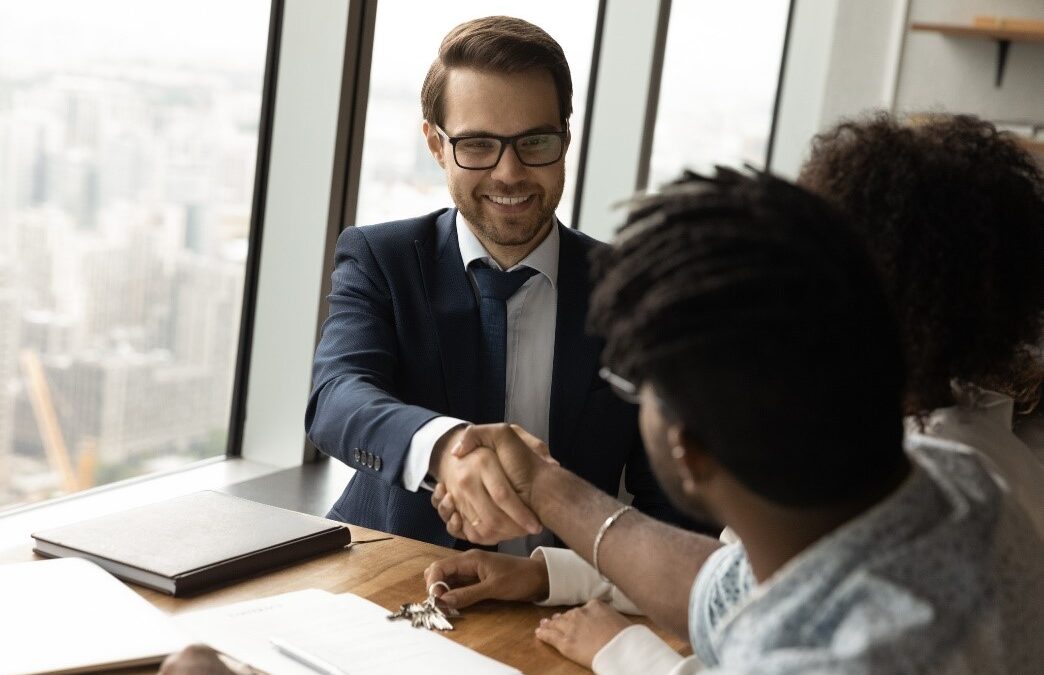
<point x="69" y="615"/>
<point x="345" y="630"/>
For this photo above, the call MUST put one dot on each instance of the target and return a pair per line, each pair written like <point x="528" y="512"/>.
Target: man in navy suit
<point x="473" y="314"/>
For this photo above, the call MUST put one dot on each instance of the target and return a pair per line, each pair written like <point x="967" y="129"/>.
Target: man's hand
<point x="480" y="575"/>
<point x="490" y="510"/>
<point x="456" y="525"/>
<point x="521" y="454"/>
<point x="202" y="660"/>
<point x="582" y="632"/>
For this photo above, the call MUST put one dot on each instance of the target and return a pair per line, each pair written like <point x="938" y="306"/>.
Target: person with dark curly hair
<point x="750" y="324"/>
<point x="952" y="212"/>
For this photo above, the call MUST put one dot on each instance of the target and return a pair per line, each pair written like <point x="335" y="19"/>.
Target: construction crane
<point x="50" y="429"/>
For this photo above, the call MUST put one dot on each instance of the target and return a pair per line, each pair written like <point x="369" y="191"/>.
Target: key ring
<point x="431" y="589"/>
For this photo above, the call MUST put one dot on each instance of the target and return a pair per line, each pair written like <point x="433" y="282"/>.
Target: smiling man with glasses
<point x="473" y="314"/>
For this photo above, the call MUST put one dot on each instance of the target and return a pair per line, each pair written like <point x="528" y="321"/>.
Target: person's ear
<point x="434" y="141"/>
<point x="692" y="464"/>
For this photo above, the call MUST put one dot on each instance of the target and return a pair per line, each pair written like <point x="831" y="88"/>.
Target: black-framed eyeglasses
<point x="625" y="389"/>
<point x="476" y="153"/>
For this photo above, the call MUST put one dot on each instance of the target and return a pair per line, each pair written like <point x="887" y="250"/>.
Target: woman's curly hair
<point x="952" y="212"/>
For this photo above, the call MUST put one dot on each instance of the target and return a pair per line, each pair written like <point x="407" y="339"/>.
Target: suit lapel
<point x="576" y="352"/>
<point x="452" y="303"/>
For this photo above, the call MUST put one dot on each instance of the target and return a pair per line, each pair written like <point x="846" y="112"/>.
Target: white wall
<point x="804" y="82"/>
<point x="957" y="74"/>
<point x="865" y="57"/>
<point x="841" y="59"/>
<point x="849" y="56"/>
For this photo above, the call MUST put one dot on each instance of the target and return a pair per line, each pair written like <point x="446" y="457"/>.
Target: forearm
<point x="659" y="586"/>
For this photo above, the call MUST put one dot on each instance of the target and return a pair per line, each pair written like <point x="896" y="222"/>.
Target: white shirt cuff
<point x="571" y="581"/>
<point x="636" y="649"/>
<point x="418" y="457"/>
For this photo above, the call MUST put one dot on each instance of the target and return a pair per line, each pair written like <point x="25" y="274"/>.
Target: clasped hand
<point x="485" y="482"/>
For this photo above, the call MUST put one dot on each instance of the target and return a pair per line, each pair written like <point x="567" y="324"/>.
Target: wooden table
<point x="390" y="573"/>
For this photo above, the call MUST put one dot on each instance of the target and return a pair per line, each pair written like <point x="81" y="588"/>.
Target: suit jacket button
<point x="358" y="455"/>
<point x="377" y="463"/>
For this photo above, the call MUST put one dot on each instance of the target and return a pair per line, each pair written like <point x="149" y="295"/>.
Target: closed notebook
<point x="193" y="543"/>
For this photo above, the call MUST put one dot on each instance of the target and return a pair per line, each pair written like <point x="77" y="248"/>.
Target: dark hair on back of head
<point x="760" y="323"/>
<point x="952" y="212"/>
<point x="497" y="44"/>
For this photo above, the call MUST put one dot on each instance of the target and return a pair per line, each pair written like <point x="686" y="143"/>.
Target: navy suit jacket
<point x="401" y="346"/>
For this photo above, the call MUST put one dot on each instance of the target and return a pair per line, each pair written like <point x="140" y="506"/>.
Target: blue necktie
<point x="495" y="288"/>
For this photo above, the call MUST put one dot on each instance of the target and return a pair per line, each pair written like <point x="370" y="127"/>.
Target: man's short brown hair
<point x="499" y="44"/>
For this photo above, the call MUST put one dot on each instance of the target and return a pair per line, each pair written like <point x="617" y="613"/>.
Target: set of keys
<point x="427" y="614"/>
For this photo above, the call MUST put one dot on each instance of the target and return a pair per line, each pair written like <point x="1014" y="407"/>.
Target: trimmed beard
<point x="510" y="230"/>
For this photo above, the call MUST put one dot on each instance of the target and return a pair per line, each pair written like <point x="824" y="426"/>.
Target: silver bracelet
<point x="601" y="534"/>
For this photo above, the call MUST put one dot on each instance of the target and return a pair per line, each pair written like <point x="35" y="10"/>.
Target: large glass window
<point x="128" y="136"/>
<point x="720" y="74"/>
<point x="399" y="179"/>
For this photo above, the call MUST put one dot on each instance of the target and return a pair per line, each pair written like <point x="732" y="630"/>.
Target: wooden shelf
<point x="986" y="33"/>
<point x="1031" y="144"/>
<point x="1002" y="31"/>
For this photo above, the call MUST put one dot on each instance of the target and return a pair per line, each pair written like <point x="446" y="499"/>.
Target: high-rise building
<point x="207" y="302"/>
<point x="125" y="409"/>
<point x="7" y="178"/>
<point x="40" y="178"/>
<point x="129" y="209"/>
<point x="9" y="319"/>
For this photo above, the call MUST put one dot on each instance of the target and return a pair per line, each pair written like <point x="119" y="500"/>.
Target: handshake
<point x="486" y="475"/>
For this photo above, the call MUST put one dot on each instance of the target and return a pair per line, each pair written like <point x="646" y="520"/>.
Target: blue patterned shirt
<point x="945" y="576"/>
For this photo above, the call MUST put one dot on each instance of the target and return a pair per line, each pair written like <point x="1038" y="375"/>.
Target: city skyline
<point x="125" y="193"/>
<point x="127" y="158"/>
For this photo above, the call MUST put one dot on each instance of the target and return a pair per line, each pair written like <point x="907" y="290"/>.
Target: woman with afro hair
<point x="952" y="212"/>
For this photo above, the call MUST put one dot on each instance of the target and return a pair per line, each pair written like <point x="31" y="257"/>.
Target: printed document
<point x="71" y="616"/>
<point x="344" y="630"/>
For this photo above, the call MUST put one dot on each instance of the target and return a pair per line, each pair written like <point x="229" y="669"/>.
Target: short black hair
<point x="952" y="212"/>
<point x="760" y="322"/>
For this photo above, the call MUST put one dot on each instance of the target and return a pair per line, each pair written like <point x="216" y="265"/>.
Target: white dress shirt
<point x="982" y="419"/>
<point x="531" y="318"/>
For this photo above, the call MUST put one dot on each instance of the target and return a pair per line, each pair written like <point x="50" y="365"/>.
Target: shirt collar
<point x="544" y="258"/>
<point x="992" y="405"/>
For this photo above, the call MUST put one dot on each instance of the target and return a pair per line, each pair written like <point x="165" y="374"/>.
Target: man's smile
<point x="510" y="205"/>
<point x="508" y="201"/>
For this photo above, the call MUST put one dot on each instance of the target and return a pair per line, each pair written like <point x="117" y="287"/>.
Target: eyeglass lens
<point x="532" y="150"/>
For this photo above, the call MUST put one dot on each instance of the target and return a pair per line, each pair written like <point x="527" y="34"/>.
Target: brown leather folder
<point x="193" y="543"/>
